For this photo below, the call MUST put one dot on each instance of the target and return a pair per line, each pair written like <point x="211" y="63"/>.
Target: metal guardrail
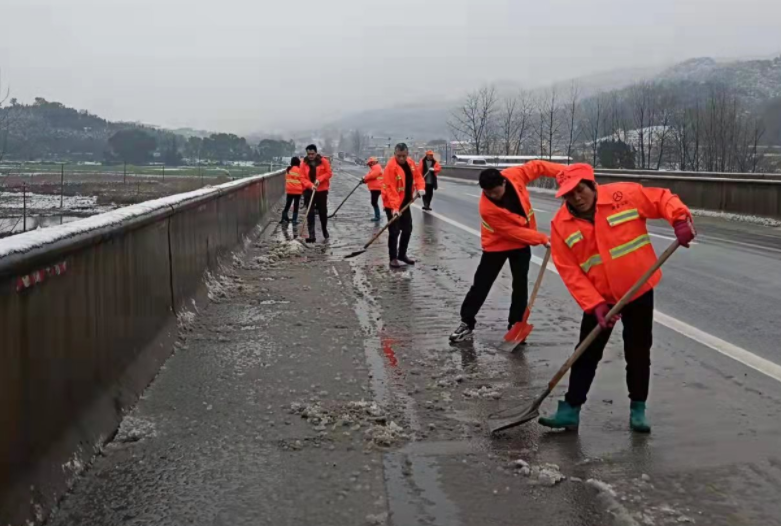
<point x="733" y="193"/>
<point x="87" y="315"/>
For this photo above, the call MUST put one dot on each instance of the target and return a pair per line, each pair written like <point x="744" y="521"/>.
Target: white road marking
<point x="730" y="350"/>
<point x="472" y="195"/>
<point x="741" y="243"/>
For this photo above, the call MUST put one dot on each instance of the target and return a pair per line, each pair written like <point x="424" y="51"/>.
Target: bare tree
<point x="357" y="142"/>
<point x="573" y="130"/>
<point x="5" y="117"/>
<point x="524" y="117"/>
<point x="666" y="105"/>
<point x="642" y="106"/>
<point x="593" y="123"/>
<point x="473" y="120"/>
<point x="508" y="124"/>
<point x="552" y="120"/>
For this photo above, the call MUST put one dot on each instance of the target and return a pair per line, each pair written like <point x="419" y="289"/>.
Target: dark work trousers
<point x="320" y="207"/>
<point x="294" y="200"/>
<point x="398" y="247"/>
<point x="491" y="264"/>
<point x="376" y="202"/>
<point x="637" y="319"/>
<point x="429" y="195"/>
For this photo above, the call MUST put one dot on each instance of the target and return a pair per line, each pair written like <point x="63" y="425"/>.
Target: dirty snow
<point x="741" y="218"/>
<point x="134" y="429"/>
<point x="544" y="475"/>
<point x="482" y="392"/>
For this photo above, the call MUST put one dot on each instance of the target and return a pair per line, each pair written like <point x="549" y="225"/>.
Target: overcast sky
<point x="254" y="65"/>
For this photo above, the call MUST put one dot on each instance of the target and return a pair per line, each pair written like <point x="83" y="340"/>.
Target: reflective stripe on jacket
<point x="503" y="230"/>
<point x="293" y="184"/>
<point x="393" y="184"/>
<point x="374" y="178"/>
<point x="600" y="261"/>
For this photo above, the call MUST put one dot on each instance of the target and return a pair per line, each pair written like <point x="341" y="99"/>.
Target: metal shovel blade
<point x="511" y="418"/>
<point x="354" y="254"/>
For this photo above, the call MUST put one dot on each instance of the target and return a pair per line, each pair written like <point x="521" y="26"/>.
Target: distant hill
<point x="757" y="81"/>
<point x="51" y="131"/>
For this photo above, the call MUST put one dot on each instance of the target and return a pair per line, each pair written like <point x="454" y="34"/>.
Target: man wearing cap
<point x="601" y="247"/>
<point x="430" y="169"/>
<point x="508" y="229"/>
<point x="373" y="181"/>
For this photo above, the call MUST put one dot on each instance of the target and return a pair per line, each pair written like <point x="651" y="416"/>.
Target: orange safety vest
<point x="503" y="230"/>
<point x="323" y="174"/>
<point x="374" y="177"/>
<point x="293" y="185"/>
<point x="434" y="169"/>
<point x="600" y="261"/>
<point x="393" y="183"/>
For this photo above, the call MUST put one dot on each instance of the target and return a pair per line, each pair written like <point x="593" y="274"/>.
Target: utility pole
<point x="124" y="174"/>
<point x="24" y="207"/>
<point x="62" y="182"/>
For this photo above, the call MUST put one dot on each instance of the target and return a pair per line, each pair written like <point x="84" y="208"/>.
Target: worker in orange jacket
<point x="430" y="169"/>
<point x="601" y="247"/>
<point x="316" y="177"/>
<point x="509" y="229"/>
<point x="293" y="190"/>
<point x="401" y="183"/>
<point x="373" y="181"/>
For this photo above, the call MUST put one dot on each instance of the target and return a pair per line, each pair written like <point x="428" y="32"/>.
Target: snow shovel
<point x="306" y="216"/>
<point x="517" y="416"/>
<point x="521" y="329"/>
<point x="378" y="234"/>
<point x="346" y="198"/>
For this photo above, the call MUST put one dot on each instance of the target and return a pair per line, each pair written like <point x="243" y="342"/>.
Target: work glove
<point x="395" y="213"/>
<point x="684" y="232"/>
<point x="601" y="311"/>
<point x="317" y="183"/>
<point x="364" y="181"/>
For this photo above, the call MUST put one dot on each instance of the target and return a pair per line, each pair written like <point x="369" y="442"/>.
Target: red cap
<point x="430" y="152"/>
<point x="371" y="160"/>
<point x="570" y="176"/>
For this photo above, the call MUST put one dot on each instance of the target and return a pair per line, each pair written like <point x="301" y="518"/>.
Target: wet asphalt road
<point x="260" y="417"/>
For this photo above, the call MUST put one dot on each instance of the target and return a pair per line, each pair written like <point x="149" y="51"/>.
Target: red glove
<point x="684" y="232"/>
<point x="601" y="311"/>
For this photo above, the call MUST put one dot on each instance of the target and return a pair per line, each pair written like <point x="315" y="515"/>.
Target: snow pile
<point x="742" y="218"/>
<point x="385" y="435"/>
<point x="351" y="417"/>
<point x="185" y="319"/>
<point x="485" y="392"/>
<point x="545" y="475"/>
<point x="134" y="429"/>
<point x="222" y="286"/>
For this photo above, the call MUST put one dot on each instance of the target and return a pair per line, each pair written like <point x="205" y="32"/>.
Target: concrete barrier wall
<point x="738" y="194"/>
<point x="84" y="310"/>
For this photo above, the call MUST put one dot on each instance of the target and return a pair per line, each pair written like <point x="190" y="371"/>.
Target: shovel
<point x="306" y="216"/>
<point x="346" y="198"/>
<point x="383" y="229"/>
<point x="521" y="330"/>
<point x="517" y="416"/>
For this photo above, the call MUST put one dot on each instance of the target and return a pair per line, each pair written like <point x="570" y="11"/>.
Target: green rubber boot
<point x="637" y="420"/>
<point x="566" y="417"/>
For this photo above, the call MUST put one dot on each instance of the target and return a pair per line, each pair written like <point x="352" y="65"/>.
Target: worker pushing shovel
<point x="603" y="252"/>
<point x="508" y="230"/>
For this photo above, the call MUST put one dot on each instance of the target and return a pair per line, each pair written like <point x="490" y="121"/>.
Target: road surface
<point x="314" y="390"/>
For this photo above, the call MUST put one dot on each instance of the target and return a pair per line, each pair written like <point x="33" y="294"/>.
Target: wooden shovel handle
<point x="615" y="310"/>
<point x="537" y="285"/>
<point x="383" y="229"/>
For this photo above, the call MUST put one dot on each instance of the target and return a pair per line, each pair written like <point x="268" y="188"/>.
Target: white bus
<point x="503" y="161"/>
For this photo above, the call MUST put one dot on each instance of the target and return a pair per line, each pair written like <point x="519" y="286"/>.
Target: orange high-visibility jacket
<point x="374" y="177"/>
<point x="393" y="183"/>
<point x="323" y="174"/>
<point x="600" y="262"/>
<point x="434" y="169"/>
<point x="293" y="184"/>
<point x="503" y="230"/>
